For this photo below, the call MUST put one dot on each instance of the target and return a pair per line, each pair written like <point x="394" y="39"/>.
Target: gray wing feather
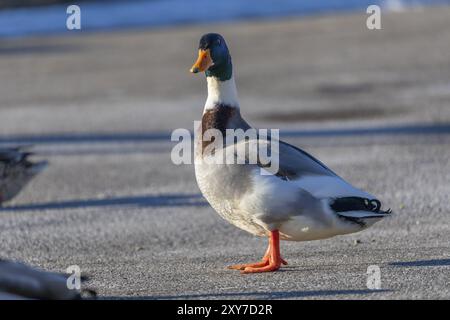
<point x="301" y="162"/>
<point x="293" y="162"/>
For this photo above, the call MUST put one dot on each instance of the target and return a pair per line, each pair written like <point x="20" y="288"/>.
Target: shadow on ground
<point x="416" y="129"/>
<point x="171" y="200"/>
<point x="422" y="263"/>
<point x="261" y="295"/>
<point x="36" y="49"/>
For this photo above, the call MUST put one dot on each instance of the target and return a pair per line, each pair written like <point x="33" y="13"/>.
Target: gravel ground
<point x="372" y="105"/>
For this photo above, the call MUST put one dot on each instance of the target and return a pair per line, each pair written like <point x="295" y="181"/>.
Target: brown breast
<point x="217" y="118"/>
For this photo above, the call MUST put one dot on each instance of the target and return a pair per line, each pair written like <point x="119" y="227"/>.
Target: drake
<point x="304" y="200"/>
<point x="16" y="170"/>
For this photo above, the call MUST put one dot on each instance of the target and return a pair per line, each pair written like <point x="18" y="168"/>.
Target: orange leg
<point x="271" y="258"/>
<point x="264" y="261"/>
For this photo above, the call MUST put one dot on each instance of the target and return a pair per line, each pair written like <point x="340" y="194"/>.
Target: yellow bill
<point x="203" y="62"/>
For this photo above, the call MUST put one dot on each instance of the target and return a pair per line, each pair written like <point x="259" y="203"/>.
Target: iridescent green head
<point x="213" y="57"/>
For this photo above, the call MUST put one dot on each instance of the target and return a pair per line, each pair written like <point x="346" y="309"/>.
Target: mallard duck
<point x="304" y="200"/>
<point x="16" y="170"/>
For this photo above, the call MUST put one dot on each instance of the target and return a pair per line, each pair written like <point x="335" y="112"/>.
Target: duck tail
<point x="32" y="167"/>
<point x="37" y="167"/>
<point x="358" y="209"/>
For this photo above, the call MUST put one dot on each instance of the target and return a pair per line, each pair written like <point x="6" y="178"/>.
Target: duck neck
<point x="221" y="93"/>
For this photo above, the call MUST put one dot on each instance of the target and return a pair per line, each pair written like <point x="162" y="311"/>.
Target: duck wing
<point x="297" y="167"/>
<point x="298" y="185"/>
<point x="295" y="163"/>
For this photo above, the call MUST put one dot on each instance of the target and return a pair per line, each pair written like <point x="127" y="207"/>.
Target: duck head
<point x="213" y="57"/>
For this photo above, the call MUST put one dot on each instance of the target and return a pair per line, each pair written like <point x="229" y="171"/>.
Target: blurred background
<point x="100" y="103"/>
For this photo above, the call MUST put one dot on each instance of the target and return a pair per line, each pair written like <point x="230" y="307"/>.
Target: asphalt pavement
<point x="372" y="105"/>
